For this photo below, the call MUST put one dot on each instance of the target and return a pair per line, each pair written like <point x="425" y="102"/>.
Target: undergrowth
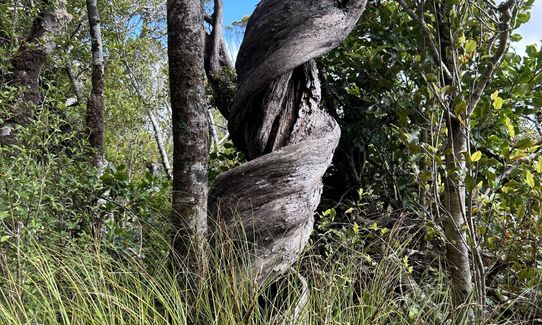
<point x="89" y="283"/>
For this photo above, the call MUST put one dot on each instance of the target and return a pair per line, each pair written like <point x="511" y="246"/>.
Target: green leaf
<point x="516" y="37"/>
<point x="497" y="103"/>
<point x="460" y="107"/>
<point x="510" y="127"/>
<point x="495" y="95"/>
<point x="538" y="165"/>
<point x="354" y="90"/>
<point x="529" y="179"/>
<point x="476" y="156"/>
<point x="470" y="183"/>
<point x="462" y="39"/>
<point x="4" y="238"/>
<point x="470" y="47"/>
<point x="524" y="17"/>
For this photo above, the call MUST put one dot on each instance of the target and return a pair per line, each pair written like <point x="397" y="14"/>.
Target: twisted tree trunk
<point x="276" y="121"/>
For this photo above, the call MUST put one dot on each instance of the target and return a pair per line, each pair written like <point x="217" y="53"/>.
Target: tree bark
<point x="455" y="224"/>
<point x="276" y="121"/>
<point x="77" y="89"/>
<point x="95" y="104"/>
<point x="218" y="65"/>
<point x="455" y="221"/>
<point x="28" y="63"/>
<point x="190" y="132"/>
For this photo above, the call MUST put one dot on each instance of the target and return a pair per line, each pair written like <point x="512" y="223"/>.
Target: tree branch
<point x="504" y="35"/>
<point x="432" y="46"/>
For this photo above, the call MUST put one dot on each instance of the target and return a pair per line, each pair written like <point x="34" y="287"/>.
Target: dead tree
<point x="276" y="121"/>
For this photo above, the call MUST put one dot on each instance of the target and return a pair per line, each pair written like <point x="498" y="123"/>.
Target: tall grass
<point x="89" y="284"/>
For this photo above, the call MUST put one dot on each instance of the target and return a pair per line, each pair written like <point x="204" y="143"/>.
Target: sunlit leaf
<point x="497" y="103"/>
<point x="476" y="156"/>
<point x="529" y="179"/>
<point x="470" y="47"/>
<point x="510" y="127"/>
<point x="538" y="165"/>
<point x="495" y="95"/>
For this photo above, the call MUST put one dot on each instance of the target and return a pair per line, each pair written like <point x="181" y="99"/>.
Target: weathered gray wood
<point x="281" y="36"/>
<point x="276" y="120"/>
<point x="273" y="198"/>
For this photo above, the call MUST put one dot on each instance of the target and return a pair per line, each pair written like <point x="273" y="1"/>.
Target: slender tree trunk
<point x="455" y="221"/>
<point x="212" y="128"/>
<point x="77" y="89"/>
<point x="28" y="63"/>
<point x="190" y="132"/>
<point x="455" y="224"/>
<point x="157" y="130"/>
<point x="95" y="104"/>
<point x="218" y="65"/>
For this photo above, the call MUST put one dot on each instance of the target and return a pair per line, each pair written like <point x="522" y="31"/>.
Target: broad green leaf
<point x="510" y="127"/>
<point x="460" y="107"/>
<point x="476" y="156"/>
<point x="469" y="183"/>
<point x="470" y="47"/>
<point x="516" y="37"/>
<point x="495" y="95"/>
<point x="497" y="103"/>
<point x="539" y="165"/>
<point x="529" y="179"/>
<point x="4" y="238"/>
<point x="524" y="17"/>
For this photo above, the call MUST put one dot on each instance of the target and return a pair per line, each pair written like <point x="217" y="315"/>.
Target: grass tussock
<point x="65" y="284"/>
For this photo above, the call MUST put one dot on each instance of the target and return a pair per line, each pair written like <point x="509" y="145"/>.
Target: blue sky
<point x="236" y="9"/>
<point x="531" y="31"/>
